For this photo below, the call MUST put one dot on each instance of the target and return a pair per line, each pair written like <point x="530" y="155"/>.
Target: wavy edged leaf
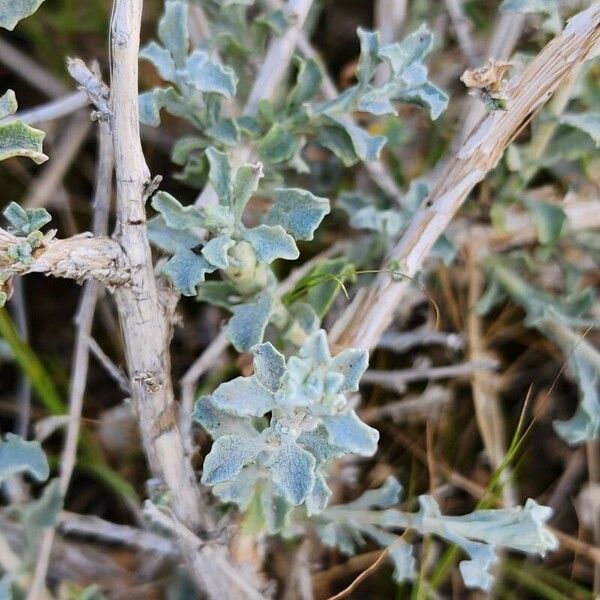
<point x="12" y="11"/>
<point x="173" y="30"/>
<point x="249" y="321"/>
<point x="349" y="432"/>
<point x="269" y="365"/>
<point x="243" y="396"/>
<point x="174" y="214"/>
<point x="271" y="242"/>
<point x="220" y="422"/>
<point x="209" y="76"/>
<point x="25" y="221"/>
<point x="20" y="456"/>
<point x="228" y="455"/>
<point x="298" y="211"/>
<point x="292" y="469"/>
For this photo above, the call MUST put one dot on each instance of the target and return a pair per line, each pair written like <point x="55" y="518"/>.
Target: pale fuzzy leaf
<point x="588" y="122"/>
<point x="152" y="102"/>
<point x="228" y="455"/>
<point x="405" y="57"/>
<point x="18" y="139"/>
<point x="220" y="174"/>
<point x="317" y="442"/>
<point x="318" y="498"/>
<point x="271" y="242"/>
<point x="308" y="82"/>
<point x="225" y="131"/>
<point x="173" y="30"/>
<point x="220" y="422"/>
<point x="168" y="239"/>
<point x="245" y="185"/>
<point x="348" y="431"/>
<point x="241" y="490"/>
<point x="12" y="11"/>
<point x="529" y="6"/>
<point x="549" y="221"/>
<point x="351" y="363"/>
<point x="174" y="214"/>
<point x="243" y="396"/>
<point x="369" y="55"/>
<point x="277" y="145"/>
<point x="42" y="513"/>
<point x="585" y="423"/>
<point x="366" y="146"/>
<point x="405" y="565"/>
<point x="161" y="59"/>
<point x="218" y="293"/>
<point x="376" y="102"/>
<point x="298" y="211"/>
<point x="429" y="96"/>
<point x="186" y="270"/>
<point x="215" y="251"/>
<point x="208" y="76"/>
<point x="8" y="104"/>
<point x="337" y="140"/>
<point x="246" y="327"/>
<point x="25" y="221"/>
<point x="20" y="456"/>
<point x="383" y="497"/>
<point x="269" y="365"/>
<point x="316" y="348"/>
<point x="292" y="469"/>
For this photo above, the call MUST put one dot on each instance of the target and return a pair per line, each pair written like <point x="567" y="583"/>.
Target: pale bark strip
<point x="372" y="310"/>
<point x="55" y="109"/>
<point x="79" y="257"/>
<point x="146" y="328"/>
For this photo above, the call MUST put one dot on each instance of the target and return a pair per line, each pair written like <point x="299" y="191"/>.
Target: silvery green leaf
<point x="245" y="185"/>
<point x="387" y="495"/>
<point x="428" y="96"/>
<point x="549" y="221"/>
<point x="303" y="320"/>
<point x="18" y="139"/>
<point x="215" y="251"/>
<point x="277" y="20"/>
<point x="228" y="455"/>
<point x="6" y="587"/>
<point x="173" y="30"/>
<point x="25" y="221"/>
<point x="185" y="147"/>
<point x="588" y="122"/>
<point x="308" y="82"/>
<point x="337" y="140"/>
<point x="243" y="396"/>
<point x="369" y="55"/>
<point x="174" y="214"/>
<point x="218" y="218"/>
<point x="342" y="536"/>
<point x="186" y="270"/>
<point x="8" y="104"/>
<point x="292" y="469"/>
<point x="250" y="126"/>
<point x="161" y="59"/>
<point x="318" y="497"/>
<point x="246" y="327"/>
<point x="151" y="102"/>
<point x="208" y="76"/>
<point x="316" y="348"/>
<point x="269" y="365"/>
<point x="349" y="432"/>
<point x="275" y="509"/>
<point x="225" y="131"/>
<point x="529" y="6"/>
<point x="317" y="443"/>
<point x="218" y="293"/>
<point x="277" y="145"/>
<point x="298" y="211"/>
<point x="168" y="239"/>
<point x="585" y="423"/>
<point x="405" y="57"/>
<point x="366" y="146"/>
<point x="271" y="242"/>
<point x="12" y="11"/>
<point x="405" y="565"/>
<point x="351" y="363"/>
<point x="220" y="422"/>
<point x="376" y="102"/>
<point x="20" y="456"/>
<point x="241" y="490"/>
<point x="220" y="174"/>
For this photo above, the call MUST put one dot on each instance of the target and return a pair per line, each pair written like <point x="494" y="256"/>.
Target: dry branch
<point x="372" y="310"/>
